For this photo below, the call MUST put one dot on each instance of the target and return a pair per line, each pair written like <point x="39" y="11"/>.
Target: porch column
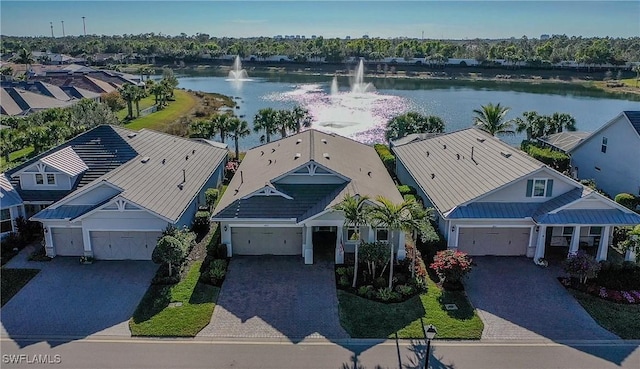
<point x="575" y="241"/>
<point x="402" y="253"/>
<point x="86" y="240"/>
<point x="541" y="242"/>
<point x="225" y="237"/>
<point x="48" y="242"/>
<point x="603" y="247"/>
<point x="370" y="234"/>
<point x="340" y="246"/>
<point x="307" y="251"/>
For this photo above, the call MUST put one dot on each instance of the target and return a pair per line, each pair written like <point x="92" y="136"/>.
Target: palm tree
<point x="128" y="93"/>
<point x="25" y="57"/>
<point x="222" y="124"/>
<point x="157" y="89"/>
<point x="355" y="215"/>
<point x="395" y="217"/>
<point x="533" y="124"/>
<point x="561" y="121"/>
<point x="301" y="118"/>
<point x="637" y="70"/>
<point x="490" y="118"/>
<point x="412" y="122"/>
<point x="266" y="120"/>
<point x="139" y="94"/>
<point x="238" y="129"/>
<point x="201" y="129"/>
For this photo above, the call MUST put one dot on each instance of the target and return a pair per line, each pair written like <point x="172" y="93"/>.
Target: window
<point x="51" y="179"/>
<point x="595" y="231"/>
<point x="540" y="187"/>
<point x="567" y="231"/>
<point x="353" y="234"/>
<point x="5" y="224"/>
<point x="603" y="148"/>
<point x="382" y="234"/>
<point x="39" y="179"/>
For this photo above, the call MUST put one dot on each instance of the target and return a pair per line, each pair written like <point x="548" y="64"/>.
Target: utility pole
<point x="62" y="28"/>
<point x="51" y="24"/>
<point x="422" y="35"/>
<point x="84" y="27"/>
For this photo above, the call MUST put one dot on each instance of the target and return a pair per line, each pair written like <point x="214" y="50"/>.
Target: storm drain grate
<point x="451" y="306"/>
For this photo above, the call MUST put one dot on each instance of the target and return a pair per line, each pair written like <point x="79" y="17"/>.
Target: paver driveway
<point x="74" y="300"/>
<point x="277" y="297"/>
<point x="518" y="300"/>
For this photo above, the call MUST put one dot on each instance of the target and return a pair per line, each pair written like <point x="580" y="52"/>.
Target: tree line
<point x="191" y="48"/>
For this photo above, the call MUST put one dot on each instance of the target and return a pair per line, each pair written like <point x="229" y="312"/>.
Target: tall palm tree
<point x="128" y="93"/>
<point x="266" y="120"/>
<point x="490" y="118"/>
<point x="395" y="217"/>
<point x="561" y="121"/>
<point x="532" y="123"/>
<point x="355" y="215"/>
<point x="139" y="94"/>
<point x="238" y="129"/>
<point x="301" y="118"/>
<point x="222" y="124"/>
<point x="25" y="57"/>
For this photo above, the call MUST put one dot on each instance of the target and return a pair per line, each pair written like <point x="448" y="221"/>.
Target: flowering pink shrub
<point x="582" y="266"/>
<point x="451" y="266"/>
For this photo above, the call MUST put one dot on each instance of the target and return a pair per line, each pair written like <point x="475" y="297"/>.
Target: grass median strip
<point x="12" y="281"/>
<point x="620" y="319"/>
<point x="179" y="310"/>
<point x="363" y="318"/>
<point x="184" y="102"/>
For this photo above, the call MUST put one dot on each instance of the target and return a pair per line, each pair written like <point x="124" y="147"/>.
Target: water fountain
<point x="238" y="74"/>
<point x="334" y="86"/>
<point x="358" y="86"/>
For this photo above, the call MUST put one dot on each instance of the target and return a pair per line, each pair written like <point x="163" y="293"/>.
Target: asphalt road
<point x="192" y="354"/>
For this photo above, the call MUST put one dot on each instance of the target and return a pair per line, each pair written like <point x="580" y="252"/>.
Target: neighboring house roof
<point x="564" y="141"/>
<point x="358" y="164"/>
<point x="631" y="117"/>
<point x="457" y="167"/>
<point x="66" y="161"/>
<point x="8" y="195"/>
<point x="413" y="137"/>
<point x="8" y="105"/>
<point x="103" y="86"/>
<point x="29" y="101"/>
<point x="80" y="93"/>
<point x="213" y="143"/>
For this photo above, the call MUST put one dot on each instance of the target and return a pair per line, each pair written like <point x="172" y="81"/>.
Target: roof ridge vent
<point x="505" y="154"/>
<point x="145" y="159"/>
<point x="270" y="161"/>
<point x="428" y="154"/>
<point x="480" y="139"/>
<point x="444" y="147"/>
<point x="457" y="156"/>
<point x="273" y="149"/>
<point x="132" y="134"/>
<point x="297" y="156"/>
<point x="433" y="175"/>
<point x="324" y="141"/>
<point x="261" y="152"/>
<point x="298" y="141"/>
<point x="326" y="155"/>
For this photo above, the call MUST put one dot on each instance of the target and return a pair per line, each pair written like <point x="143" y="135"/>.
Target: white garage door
<point x="123" y="245"/>
<point x="493" y="241"/>
<point x="68" y="241"/>
<point x="266" y="241"/>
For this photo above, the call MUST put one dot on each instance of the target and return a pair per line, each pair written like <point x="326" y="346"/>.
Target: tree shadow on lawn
<point x="465" y="310"/>
<point x="154" y="301"/>
<point x="203" y="294"/>
<point x="363" y="318"/>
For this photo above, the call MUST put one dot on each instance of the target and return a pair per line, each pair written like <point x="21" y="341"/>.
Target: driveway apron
<point x="70" y="299"/>
<point x="277" y="297"/>
<point x="518" y="300"/>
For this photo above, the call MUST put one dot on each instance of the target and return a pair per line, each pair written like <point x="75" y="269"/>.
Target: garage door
<point x="493" y="241"/>
<point x="68" y="241"/>
<point x="266" y="241"/>
<point x="123" y="245"/>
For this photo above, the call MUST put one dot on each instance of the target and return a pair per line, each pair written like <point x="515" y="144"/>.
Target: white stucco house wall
<point x="611" y="155"/>
<point x="493" y="199"/>
<point x="110" y="192"/>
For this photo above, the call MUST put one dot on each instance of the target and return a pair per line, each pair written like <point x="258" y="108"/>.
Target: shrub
<point x="366" y="291"/>
<point x="406" y="190"/>
<point x="410" y="197"/>
<point x="555" y="159"/>
<point x="405" y="290"/>
<point x="386" y="156"/>
<point x="581" y="266"/>
<point x="344" y="281"/>
<point x="419" y="284"/>
<point x="29" y="231"/>
<point x="451" y="266"/>
<point x="216" y="273"/>
<point x="387" y="294"/>
<point x="375" y="255"/>
<point x="621" y="276"/>
<point x="211" y="196"/>
<point x="221" y="251"/>
<point x="170" y="251"/>
<point x="201" y="221"/>
<point x="627" y="200"/>
<point x="12" y="241"/>
<point x="379" y="282"/>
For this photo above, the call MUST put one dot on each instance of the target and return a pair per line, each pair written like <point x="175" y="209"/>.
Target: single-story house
<point x="493" y="199"/>
<point x="611" y="155"/>
<point x="281" y="199"/>
<point x="109" y="192"/>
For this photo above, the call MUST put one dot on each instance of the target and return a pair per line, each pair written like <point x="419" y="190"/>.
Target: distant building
<point x="544" y="37"/>
<point x="313" y="37"/>
<point x="365" y="36"/>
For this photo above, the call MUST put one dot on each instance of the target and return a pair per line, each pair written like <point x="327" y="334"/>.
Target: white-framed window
<point x="5" y="222"/>
<point x="352" y="234"/>
<point x="603" y="148"/>
<point x="567" y="231"/>
<point x="539" y="187"/>
<point x="48" y="178"/>
<point x="39" y="179"/>
<point x="382" y="235"/>
<point x="51" y="179"/>
<point x="595" y="231"/>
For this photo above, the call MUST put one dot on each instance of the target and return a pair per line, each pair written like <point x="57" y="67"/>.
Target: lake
<point x="362" y="116"/>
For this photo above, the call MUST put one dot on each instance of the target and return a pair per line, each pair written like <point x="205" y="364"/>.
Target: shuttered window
<point x="539" y="187"/>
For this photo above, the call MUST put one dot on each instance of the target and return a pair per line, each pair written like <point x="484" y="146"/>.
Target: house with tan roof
<point x="493" y="199"/>
<point x="110" y="192"/>
<point x="281" y="200"/>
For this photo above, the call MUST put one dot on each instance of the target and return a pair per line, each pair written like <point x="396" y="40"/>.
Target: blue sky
<point x="438" y="19"/>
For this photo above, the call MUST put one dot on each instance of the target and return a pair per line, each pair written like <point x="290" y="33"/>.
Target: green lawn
<point x="17" y="156"/>
<point x="154" y="317"/>
<point x="12" y="281"/>
<point x="621" y="319"/>
<point x="147" y="102"/>
<point x="363" y="318"/>
<point x="159" y="120"/>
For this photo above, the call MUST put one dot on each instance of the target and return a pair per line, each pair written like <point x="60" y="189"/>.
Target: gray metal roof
<point x="564" y="141"/>
<point x="8" y="195"/>
<point x="450" y="175"/>
<point x="358" y="163"/>
<point x="634" y="118"/>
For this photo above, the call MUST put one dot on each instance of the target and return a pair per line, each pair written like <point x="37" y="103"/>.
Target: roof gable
<point x="632" y="118"/>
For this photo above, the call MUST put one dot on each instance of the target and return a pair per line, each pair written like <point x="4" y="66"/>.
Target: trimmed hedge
<point x="388" y="159"/>
<point x="407" y="190"/>
<point x="555" y="159"/>
<point x="627" y="200"/>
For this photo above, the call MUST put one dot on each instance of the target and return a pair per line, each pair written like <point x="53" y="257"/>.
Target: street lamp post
<point x="430" y="333"/>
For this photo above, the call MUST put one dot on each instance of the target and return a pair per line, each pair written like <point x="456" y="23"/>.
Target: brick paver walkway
<point x="516" y="299"/>
<point x="277" y="297"/>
